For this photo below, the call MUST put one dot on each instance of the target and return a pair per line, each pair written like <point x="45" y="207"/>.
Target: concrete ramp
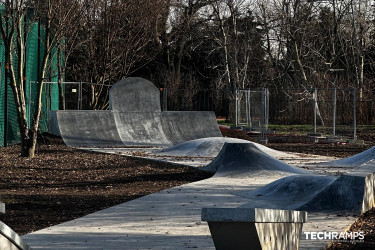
<point x="204" y="147"/>
<point x="135" y="119"/>
<point x="185" y="126"/>
<point x="211" y="147"/>
<point x="367" y="156"/>
<point x="312" y="193"/>
<point x="243" y="159"/>
<point x="344" y="194"/>
<point x="140" y="128"/>
<point x="88" y="128"/>
<point x="290" y="192"/>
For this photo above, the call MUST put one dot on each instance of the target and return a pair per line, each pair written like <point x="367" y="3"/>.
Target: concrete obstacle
<point x="367" y="156"/>
<point x="344" y="194"/>
<point x="134" y="94"/>
<point x="254" y="228"/>
<point x="141" y="128"/>
<point x="211" y="147"/>
<point x="369" y="193"/>
<point x="311" y="193"/>
<point x="290" y="192"/>
<point x="244" y="159"/>
<point x="84" y="128"/>
<point x="135" y="118"/>
<point x="10" y="240"/>
<point x="204" y="147"/>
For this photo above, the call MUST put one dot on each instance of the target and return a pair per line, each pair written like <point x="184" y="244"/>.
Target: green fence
<point x="34" y="56"/>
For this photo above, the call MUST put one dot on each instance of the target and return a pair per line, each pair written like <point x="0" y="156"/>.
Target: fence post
<point x="263" y="118"/>
<point x="248" y="107"/>
<point x="165" y="99"/>
<point x="80" y="96"/>
<point x="236" y="106"/>
<point x="334" y="112"/>
<point x="355" y="113"/>
<point x="315" y="103"/>
<point x="268" y="107"/>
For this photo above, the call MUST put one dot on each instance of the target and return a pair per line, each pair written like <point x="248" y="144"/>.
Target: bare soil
<point x="62" y="183"/>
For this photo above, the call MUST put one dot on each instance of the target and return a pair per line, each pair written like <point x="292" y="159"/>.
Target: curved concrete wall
<point x="141" y="128"/>
<point x="88" y="128"/>
<point x="185" y="126"/>
<point x="109" y="128"/>
<point x="134" y="94"/>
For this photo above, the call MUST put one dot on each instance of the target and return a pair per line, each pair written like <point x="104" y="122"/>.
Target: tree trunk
<point x="60" y="75"/>
<point x="38" y="106"/>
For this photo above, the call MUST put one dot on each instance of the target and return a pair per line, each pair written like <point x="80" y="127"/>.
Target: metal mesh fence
<point x="251" y="109"/>
<point x="327" y="111"/>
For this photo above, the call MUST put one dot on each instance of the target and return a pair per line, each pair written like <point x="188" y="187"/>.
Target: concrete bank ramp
<point x="134" y="118"/>
<point x="344" y="194"/>
<point x="244" y="159"/>
<point x="312" y="193"/>
<point x="211" y="147"/>
<point x="204" y="147"/>
<point x="367" y="156"/>
<point x="290" y="192"/>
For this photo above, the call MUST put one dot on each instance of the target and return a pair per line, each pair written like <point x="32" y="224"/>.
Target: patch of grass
<point x="223" y="122"/>
<point x="291" y="128"/>
<point x="366" y="127"/>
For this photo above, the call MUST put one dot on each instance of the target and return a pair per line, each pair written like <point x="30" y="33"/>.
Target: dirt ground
<point x="62" y="183"/>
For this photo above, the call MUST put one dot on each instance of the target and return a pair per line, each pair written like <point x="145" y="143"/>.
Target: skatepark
<point x="278" y="194"/>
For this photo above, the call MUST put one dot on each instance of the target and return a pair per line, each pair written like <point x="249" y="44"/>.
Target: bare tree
<point x="13" y="33"/>
<point x="117" y="39"/>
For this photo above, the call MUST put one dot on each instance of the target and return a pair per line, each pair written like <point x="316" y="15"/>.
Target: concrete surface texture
<point x="254" y="228"/>
<point x="140" y="128"/>
<point x="344" y="194"/>
<point x="248" y="175"/>
<point x="95" y="128"/>
<point x="263" y="215"/>
<point x="135" y="119"/>
<point x="134" y="94"/>
<point x="10" y="240"/>
<point x="171" y="219"/>
<point x="369" y="193"/>
<point x="290" y="192"/>
<point x="367" y="156"/>
<point x="244" y="159"/>
<point x="210" y="147"/>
